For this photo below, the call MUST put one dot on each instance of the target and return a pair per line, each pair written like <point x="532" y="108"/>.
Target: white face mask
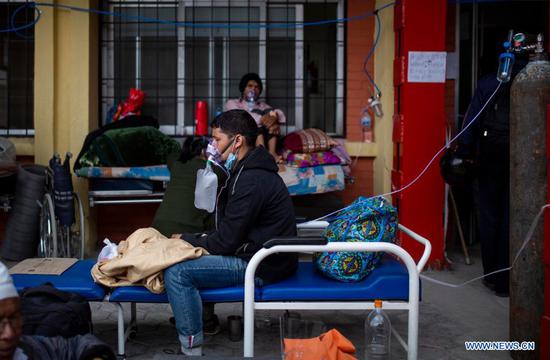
<point x="206" y="189"/>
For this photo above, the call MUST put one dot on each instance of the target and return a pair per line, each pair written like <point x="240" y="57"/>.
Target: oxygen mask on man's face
<point x="213" y="154"/>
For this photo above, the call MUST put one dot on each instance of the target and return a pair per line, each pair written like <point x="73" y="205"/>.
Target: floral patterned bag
<point x="367" y="220"/>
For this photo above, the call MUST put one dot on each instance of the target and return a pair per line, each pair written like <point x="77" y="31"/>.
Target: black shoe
<point x="211" y="326"/>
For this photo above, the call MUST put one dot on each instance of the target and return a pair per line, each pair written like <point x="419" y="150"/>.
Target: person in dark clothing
<point x="486" y="142"/>
<point x="254" y="206"/>
<point x="177" y="213"/>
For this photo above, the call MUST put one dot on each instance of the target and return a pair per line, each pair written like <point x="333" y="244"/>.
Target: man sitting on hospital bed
<point x="254" y="206"/>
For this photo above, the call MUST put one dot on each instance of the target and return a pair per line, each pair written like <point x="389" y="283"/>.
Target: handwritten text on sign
<point x="427" y="66"/>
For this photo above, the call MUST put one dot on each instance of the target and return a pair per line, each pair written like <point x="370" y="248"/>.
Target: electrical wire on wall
<point x="378" y="26"/>
<point x="146" y="19"/>
<point x="376" y="93"/>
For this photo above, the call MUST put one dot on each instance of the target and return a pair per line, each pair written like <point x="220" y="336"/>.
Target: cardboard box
<point x="43" y="266"/>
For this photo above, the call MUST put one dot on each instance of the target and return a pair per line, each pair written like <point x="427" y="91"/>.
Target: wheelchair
<point x="61" y="214"/>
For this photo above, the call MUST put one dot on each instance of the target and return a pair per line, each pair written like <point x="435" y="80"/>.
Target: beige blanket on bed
<point x="141" y="259"/>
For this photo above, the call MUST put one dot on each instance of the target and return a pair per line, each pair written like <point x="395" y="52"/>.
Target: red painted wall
<point x="359" y="39"/>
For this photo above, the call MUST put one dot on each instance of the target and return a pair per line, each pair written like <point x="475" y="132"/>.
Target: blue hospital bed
<point x="395" y="281"/>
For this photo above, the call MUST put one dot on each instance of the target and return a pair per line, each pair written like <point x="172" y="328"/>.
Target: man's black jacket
<point x="253" y="208"/>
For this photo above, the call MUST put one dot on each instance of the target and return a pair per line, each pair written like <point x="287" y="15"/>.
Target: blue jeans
<point x="182" y="282"/>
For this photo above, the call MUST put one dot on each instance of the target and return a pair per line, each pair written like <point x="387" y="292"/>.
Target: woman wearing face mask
<point x="252" y="208"/>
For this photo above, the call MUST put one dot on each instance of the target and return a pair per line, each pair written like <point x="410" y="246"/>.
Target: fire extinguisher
<point x="201" y="118"/>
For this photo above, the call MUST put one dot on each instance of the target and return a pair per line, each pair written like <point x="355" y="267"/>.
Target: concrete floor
<point x="448" y="318"/>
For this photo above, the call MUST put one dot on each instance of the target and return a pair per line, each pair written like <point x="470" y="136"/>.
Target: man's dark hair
<point x="235" y="122"/>
<point x="246" y="78"/>
<point x="192" y="147"/>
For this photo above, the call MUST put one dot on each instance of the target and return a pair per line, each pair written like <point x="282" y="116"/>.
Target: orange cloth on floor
<point x="331" y="345"/>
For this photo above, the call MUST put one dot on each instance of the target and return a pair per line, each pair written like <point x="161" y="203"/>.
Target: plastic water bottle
<point x="377" y="334"/>
<point x="366" y="120"/>
<point x="250" y="99"/>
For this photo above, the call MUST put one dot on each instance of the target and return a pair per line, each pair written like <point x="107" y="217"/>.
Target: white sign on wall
<point x="426" y="66"/>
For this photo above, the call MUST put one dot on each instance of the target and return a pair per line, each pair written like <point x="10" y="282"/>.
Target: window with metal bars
<point x="16" y="71"/>
<point x="216" y="42"/>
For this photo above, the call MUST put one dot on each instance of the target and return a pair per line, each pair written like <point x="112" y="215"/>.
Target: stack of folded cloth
<point x="314" y="163"/>
<point x="312" y="147"/>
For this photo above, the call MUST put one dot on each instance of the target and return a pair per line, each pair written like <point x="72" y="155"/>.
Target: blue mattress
<point x="76" y="279"/>
<point x="389" y="281"/>
<point x="141" y="294"/>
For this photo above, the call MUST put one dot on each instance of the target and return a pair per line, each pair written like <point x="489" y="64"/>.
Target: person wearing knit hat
<point x="10" y="316"/>
<point x="7" y="289"/>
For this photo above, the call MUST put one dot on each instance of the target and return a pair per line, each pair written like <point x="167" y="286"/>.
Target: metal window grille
<point x="16" y="71"/>
<point x="301" y="67"/>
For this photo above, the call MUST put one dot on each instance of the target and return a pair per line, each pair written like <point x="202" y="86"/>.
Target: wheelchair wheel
<point x="47" y="246"/>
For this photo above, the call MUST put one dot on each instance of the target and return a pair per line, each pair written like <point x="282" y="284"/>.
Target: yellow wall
<point x="383" y="75"/>
<point x="65" y="91"/>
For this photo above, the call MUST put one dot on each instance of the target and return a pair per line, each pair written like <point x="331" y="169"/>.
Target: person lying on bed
<point x="267" y="118"/>
<point x="253" y="207"/>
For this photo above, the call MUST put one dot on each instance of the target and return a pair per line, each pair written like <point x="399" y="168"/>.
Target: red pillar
<point x="545" y="321"/>
<point x="419" y="124"/>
